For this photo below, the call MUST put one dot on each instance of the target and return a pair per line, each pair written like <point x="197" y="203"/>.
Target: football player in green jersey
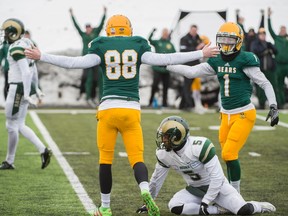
<point x="234" y="69"/>
<point x="194" y="158"/>
<point x="120" y="55"/>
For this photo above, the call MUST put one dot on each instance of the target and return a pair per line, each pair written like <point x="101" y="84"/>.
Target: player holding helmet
<point x="234" y="69"/>
<point x="120" y="55"/>
<point x="22" y="80"/>
<point x="194" y="158"/>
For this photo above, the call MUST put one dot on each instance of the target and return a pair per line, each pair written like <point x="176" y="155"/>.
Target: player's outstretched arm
<point x="200" y="70"/>
<point x="178" y="57"/>
<point x="79" y="62"/>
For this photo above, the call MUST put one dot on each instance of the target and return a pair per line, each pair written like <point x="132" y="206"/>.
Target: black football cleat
<point x="45" y="157"/>
<point x="5" y="166"/>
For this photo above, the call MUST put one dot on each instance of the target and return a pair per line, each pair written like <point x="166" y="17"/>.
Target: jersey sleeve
<point x="212" y="63"/>
<point x="160" y="155"/>
<point x="251" y="60"/>
<point x="93" y="46"/>
<point x="145" y="47"/>
<point x="203" y="149"/>
<point x="18" y="48"/>
<point x="17" y="53"/>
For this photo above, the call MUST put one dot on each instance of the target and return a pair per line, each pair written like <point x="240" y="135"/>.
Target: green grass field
<point x="28" y="190"/>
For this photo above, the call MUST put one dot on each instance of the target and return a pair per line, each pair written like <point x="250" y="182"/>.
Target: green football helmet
<point x="172" y="133"/>
<point x="11" y="30"/>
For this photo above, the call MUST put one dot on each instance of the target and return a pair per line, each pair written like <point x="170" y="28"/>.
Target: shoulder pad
<point x="160" y="155"/>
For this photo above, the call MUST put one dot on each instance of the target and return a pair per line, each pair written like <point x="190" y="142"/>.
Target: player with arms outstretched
<point x="120" y="55"/>
<point x="194" y="158"/>
<point x="22" y="75"/>
<point x="234" y="69"/>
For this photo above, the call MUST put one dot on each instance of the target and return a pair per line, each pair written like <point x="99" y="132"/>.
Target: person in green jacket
<point x="89" y="77"/>
<point x="5" y="65"/>
<point x="163" y="45"/>
<point x="281" y="44"/>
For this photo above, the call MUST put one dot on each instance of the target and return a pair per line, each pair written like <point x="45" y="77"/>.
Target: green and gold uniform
<point x="120" y="63"/>
<point x="235" y="86"/>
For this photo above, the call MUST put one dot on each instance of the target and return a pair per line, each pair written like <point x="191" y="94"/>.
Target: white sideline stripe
<point x="63" y="153"/>
<point x="279" y="123"/>
<point x="73" y="179"/>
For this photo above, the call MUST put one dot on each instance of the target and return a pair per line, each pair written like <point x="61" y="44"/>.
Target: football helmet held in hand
<point x="229" y="38"/>
<point x="118" y="25"/>
<point x="12" y="30"/>
<point x="172" y="133"/>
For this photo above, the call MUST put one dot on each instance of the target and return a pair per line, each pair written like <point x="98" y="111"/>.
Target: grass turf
<point x="28" y="190"/>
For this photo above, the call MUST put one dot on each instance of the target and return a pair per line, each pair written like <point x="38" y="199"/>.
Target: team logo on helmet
<point x="12" y="30"/>
<point x="172" y="133"/>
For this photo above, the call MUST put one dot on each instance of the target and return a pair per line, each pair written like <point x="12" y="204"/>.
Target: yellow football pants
<point x="234" y="131"/>
<point x="127" y="122"/>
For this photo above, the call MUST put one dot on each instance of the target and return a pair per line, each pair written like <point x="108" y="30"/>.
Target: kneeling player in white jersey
<point x="194" y="158"/>
<point x="22" y="76"/>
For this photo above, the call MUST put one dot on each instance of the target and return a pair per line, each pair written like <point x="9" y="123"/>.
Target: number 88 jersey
<point x="120" y="63"/>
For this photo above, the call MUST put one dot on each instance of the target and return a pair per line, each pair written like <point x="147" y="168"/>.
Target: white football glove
<point x="39" y="94"/>
<point x="31" y="101"/>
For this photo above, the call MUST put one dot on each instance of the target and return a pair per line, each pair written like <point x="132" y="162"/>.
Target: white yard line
<point x="279" y="123"/>
<point x="72" y="177"/>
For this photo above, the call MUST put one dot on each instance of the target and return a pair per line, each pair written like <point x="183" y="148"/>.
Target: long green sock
<point x="234" y="173"/>
<point x="233" y="170"/>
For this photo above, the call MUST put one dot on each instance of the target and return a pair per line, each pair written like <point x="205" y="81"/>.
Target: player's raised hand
<point x="210" y="51"/>
<point x="33" y="53"/>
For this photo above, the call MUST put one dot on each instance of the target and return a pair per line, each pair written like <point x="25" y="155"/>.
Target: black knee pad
<point x="247" y="209"/>
<point x="177" y="210"/>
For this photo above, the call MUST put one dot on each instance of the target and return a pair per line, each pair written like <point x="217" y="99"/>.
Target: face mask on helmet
<point x="229" y="38"/>
<point x="118" y="25"/>
<point x="12" y="30"/>
<point x="172" y="133"/>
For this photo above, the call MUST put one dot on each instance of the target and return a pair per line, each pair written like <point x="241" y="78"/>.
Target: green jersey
<point x="235" y="86"/>
<point x="120" y="63"/>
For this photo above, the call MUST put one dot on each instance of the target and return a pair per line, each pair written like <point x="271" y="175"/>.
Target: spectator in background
<point x="251" y="35"/>
<point x="190" y="42"/>
<point x="27" y="34"/>
<point x="281" y="44"/>
<point x="90" y="75"/>
<point x="196" y="86"/>
<point x="4" y="65"/>
<point x="160" y="74"/>
<point x="266" y="52"/>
